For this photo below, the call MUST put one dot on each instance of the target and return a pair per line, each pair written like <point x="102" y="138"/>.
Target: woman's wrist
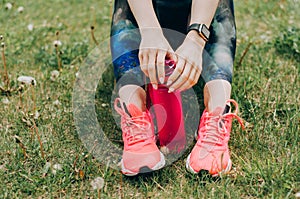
<point x="195" y="37"/>
<point x="151" y="32"/>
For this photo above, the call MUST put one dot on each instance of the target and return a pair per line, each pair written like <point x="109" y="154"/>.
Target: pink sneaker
<point x="211" y="151"/>
<point x="140" y="154"/>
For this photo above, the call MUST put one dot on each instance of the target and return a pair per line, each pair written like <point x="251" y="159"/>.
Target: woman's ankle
<point x="133" y="94"/>
<point x="216" y="93"/>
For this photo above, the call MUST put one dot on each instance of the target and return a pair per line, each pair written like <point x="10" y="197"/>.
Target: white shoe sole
<point x="190" y="169"/>
<point x="158" y="166"/>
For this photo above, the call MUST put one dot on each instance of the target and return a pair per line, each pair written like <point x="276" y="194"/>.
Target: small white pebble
<point x="56" y="167"/>
<point x="103" y="105"/>
<point x="44" y="141"/>
<point x="5" y="101"/>
<point x="97" y="183"/>
<point x="291" y="21"/>
<point x="36" y="115"/>
<point x="54" y="74"/>
<point x="56" y="103"/>
<point x="45" y="23"/>
<point x="30" y="27"/>
<point x="57" y="43"/>
<point x="27" y="80"/>
<point x="281" y="6"/>
<point x="46" y="167"/>
<point x="2" y="167"/>
<point x="8" y="6"/>
<point x="20" y="9"/>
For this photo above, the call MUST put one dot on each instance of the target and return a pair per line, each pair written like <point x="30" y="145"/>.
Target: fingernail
<point x="154" y="86"/>
<point x="169" y="83"/>
<point x="161" y="79"/>
<point x="170" y="90"/>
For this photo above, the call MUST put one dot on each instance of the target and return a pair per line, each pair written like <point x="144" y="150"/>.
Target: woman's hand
<point x="189" y="63"/>
<point x="153" y="51"/>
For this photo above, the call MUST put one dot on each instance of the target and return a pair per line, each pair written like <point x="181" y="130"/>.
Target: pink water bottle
<point x="168" y="114"/>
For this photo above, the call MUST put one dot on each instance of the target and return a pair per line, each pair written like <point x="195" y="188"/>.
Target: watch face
<point x="204" y="31"/>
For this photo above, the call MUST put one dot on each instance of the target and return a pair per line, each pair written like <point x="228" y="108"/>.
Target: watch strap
<point x="202" y="30"/>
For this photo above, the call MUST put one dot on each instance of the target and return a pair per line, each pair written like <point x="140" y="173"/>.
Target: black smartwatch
<point x="202" y="30"/>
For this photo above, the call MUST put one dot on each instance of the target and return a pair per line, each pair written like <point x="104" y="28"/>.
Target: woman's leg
<point x="140" y="153"/>
<point x="219" y="56"/>
<point x="211" y="152"/>
<point x="125" y="40"/>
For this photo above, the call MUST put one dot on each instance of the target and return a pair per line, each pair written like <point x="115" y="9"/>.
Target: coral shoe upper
<point x="140" y="149"/>
<point x="211" y="150"/>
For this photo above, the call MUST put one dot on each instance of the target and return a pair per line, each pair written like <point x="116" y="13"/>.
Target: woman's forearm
<point x="203" y="11"/>
<point x="144" y="13"/>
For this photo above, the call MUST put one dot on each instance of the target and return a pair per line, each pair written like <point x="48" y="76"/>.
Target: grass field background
<point x="266" y="85"/>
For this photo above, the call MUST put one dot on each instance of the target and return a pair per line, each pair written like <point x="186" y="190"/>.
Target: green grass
<point x="266" y="85"/>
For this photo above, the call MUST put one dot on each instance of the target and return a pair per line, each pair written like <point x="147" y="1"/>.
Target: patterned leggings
<point x="173" y="16"/>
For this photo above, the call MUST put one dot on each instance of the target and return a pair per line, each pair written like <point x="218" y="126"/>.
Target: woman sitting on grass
<point x="208" y="49"/>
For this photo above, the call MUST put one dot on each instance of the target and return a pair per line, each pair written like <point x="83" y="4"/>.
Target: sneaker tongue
<point x="134" y="111"/>
<point x="218" y="111"/>
<point x="221" y="111"/>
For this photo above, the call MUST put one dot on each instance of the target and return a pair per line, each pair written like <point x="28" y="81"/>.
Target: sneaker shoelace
<point x="214" y="131"/>
<point x="135" y="128"/>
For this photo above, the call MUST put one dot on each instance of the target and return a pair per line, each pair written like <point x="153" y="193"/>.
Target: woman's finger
<point x="152" y="67"/>
<point x="177" y="72"/>
<point x="143" y="57"/>
<point x="191" y="80"/>
<point x="183" y="78"/>
<point x="160" y="63"/>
